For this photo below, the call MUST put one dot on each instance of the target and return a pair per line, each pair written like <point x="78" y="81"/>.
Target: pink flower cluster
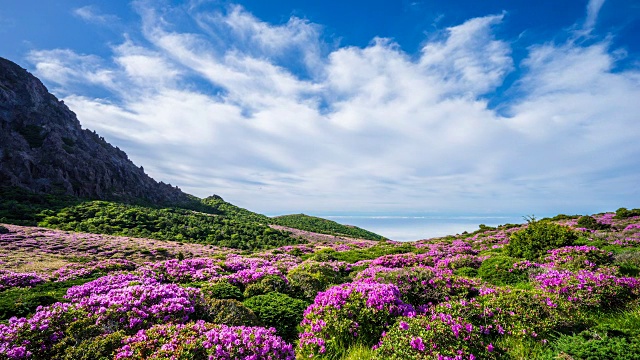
<point x="9" y="279"/>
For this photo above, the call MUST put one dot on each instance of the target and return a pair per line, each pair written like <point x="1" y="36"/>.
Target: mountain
<point x="44" y="149"/>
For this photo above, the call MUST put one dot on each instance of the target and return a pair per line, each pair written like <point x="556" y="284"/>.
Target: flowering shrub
<point x="34" y="337"/>
<point x="183" y="271"/>
<point x="437" y="336"/>
<point x="350" y="313"/>
<point x="76" y="271"/>
<point x="459" y="261"/>
<point x="139" y="306"/>
<point x="590" y="288"/>
<point x="578" y="257"/>
<point x="9" y="279"/>
<point x="423" y="285"/>
<point x="403" y="260"/>
<point x="249" y="276"/>
<point x="202" y="341"/>
<point x="105" y="284"/>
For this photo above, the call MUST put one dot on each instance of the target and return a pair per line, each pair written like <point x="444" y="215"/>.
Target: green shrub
<point x="466" y="271"/>
<point x="311" y="277"/>
<point x="629" y="263"/>
<point x="538" y="237"/>
<point x="229" y="312"/>
<point x="588" y="222"/>
<point x="599" y="343"/>
<point x="222" y="290"/>
<point x="3" y="230"/>
<point x="623" y="213"/>
<point x="279" y="311"/>
<point x="499" y="270"/>
<point x="269" y="283"/>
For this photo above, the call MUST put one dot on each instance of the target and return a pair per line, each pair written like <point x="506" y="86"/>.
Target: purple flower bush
<point x="21" y="338"/>
<point x="590" y="288"/>
<point x="423" y="285"/>
<point x="253" y="275"/>
<point x="403" y="260"/>
<point x="577" y="257"/>
<point x="76" y="271"/>
<point x="203" y="341"/>
<point x="350" y="313"/>
<point x="187" y="270"/>
<point x="9" y="279"/>
<point x="437" y="336"/>
<point x="139" y="306"/>
<point x="106" y="284"/>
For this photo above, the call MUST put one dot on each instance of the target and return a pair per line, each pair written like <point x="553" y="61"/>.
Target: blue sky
<point x="343" y="107"/>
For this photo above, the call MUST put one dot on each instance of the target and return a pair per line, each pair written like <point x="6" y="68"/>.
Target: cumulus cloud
<point x="273" y="119"/>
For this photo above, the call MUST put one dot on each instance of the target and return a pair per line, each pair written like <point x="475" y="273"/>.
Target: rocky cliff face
<point x="43" y="148"/>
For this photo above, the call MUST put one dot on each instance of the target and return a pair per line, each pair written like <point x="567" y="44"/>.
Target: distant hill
<point x="323" y="226"/>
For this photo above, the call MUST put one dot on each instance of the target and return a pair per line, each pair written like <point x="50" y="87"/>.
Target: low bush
<point x="229" y="312"/>
<point x="267" y="284"/>
<point x="499" y="270"/>
<point x="588" y="222"/>
<point x="598" y="343"/>
<point x="538" y="237"/>
<point x="222" y="290"/>
<point x="279" y="311"/>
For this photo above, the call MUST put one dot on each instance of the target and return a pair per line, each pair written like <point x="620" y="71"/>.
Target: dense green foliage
<point x="222" y="290"/>
<point x="323" y="226"/>
<point x="3" y="230"/>
<point x="22" y="207"/>
<point x="229" y="312"/>
<point x="279" y="311"/>
<point x="623" y="213"/>
<point x="589" y="222"/>
<point x="499" y="270"/>
<point x="23" y="301"/>
<point x="603" y="342"/>
<point x="351" y="256"/>
<point x="165" y="224"/>
<point x="233" y="212"/>
<point x="538" y="237"/>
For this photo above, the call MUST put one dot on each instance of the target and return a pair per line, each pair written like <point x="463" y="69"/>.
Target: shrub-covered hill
<point x="324" y="226"/>
<point x="559" y="288"/>
<point x="103" y="217"/>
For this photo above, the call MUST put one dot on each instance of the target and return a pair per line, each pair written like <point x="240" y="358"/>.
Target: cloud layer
<point x="272" y="118"/>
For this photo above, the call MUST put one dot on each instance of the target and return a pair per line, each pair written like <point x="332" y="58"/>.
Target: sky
<point x="355" y="107"/>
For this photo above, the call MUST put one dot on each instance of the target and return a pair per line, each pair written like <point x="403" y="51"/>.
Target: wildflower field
<point x="561" y="288"/>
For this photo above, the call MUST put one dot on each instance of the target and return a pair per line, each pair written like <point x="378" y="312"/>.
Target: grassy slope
<point x="323" y="226"/>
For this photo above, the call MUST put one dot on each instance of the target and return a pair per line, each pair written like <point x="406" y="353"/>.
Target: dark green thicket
<point x="229" y="312"/>
<point x="222" y="290"/>
<point x="323" y="226"/>
<point x="279" y="311"/>
<point x="3" y="230"/>
<point x="538" y="237"/>
<point x="21" y="302"/>
<point x="623" y="213"/>
<point x="166" y="224"/>
<point x="351" y="256"/>
<point x="498" y="270"/>
<point x="589" y="222"/>
<point x="22" y="207"/>
<point x="603" y="342"/>
<point x="33" y="134"/>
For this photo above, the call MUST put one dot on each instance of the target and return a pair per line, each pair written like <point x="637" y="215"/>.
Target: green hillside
<point x="323" y="226"/>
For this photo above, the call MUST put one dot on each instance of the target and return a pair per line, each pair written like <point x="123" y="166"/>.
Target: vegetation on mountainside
<point x="165" y="224"/>
<point x="323" y="226"/>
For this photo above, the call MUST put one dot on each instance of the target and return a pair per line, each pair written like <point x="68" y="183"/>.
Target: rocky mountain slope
<point x="44" y="149"/>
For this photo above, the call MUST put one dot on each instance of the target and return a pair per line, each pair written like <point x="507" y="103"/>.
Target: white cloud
<point x="91" y="14"/>
<point x="221" y="110"/>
